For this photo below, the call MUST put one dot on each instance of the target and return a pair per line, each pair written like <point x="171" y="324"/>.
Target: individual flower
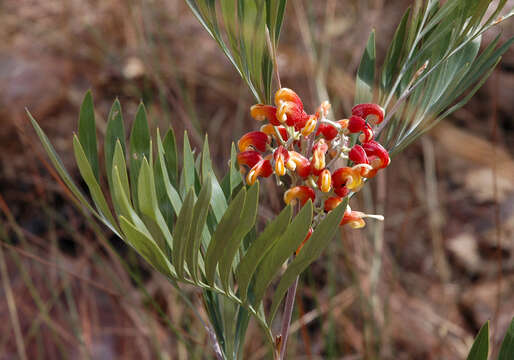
<point x="299" y="193"/>
<point x="254" y="140"/>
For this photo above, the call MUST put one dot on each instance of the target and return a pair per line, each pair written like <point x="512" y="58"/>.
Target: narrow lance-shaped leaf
<point x="87" y="132"/>
<point x="187" y="178"/>
<point x="480" y="348"/>
<point x="223" y="234"/>
<point x="282" y="250"/>
<point x="218" y="201"/>
<point x="78" y="197"/>
<point x="366" y="73"/>
<point x="507" y="346"/>
<point x="139" y="148"/>
<point x="146" y="248"/>
<point x="310" y="252"/>
<point x="200" y="213"/>
<point x="149" y="206"/>
<point x="115" y="133"/>
<point x="259" y="247"/>
<point x="171" y="192"/>
<point x="92" y="183"/>
<point x="248" y="217"/>
<point x="181" y="233"/>
<point x="170" y="155"/>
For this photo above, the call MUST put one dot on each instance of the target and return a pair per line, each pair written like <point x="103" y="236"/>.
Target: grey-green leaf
<point x="223" y="234"/>
<point x="187" y="178"/>
<point x="115" y="133"/>
<point x="139" y="148"/>
<point x="258" y="248"/>
<point x="201" y="210"/>
<point x="181" y="233"/>
<point x="281" y="251"/>
<point x="248" y="217"/>
<point x="218" y="201"/>
<point x="311" y="251"/>
<point x="170" y="155"/>
<point x="87" y="132"/>
<point x="92" y="183"/>
<point x="366" y="73"/>
<point x="149" y="206"/>
<point x="146" y="248"/>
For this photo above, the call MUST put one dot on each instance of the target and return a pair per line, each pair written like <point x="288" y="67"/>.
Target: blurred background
<point x="418" y="286"/>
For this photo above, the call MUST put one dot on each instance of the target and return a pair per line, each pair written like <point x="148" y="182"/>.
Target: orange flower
<point x="262" y="168"/>
<point x="353" y="218"/>
<point x="310" y="125"/>
<point x="253" y="140"/>
<point x="346" y="177"/>
<point x="332" y="202"/>
<point x="287" y="95"/>
<point x="270" y="130"/>
<point x="261" y="112"/>
<point x="325" y="181"/>
<point x="318" y="155"/>
<point x="281" y="156"/>
<point x="297" y="162"/>
<point x="301" y="193"/>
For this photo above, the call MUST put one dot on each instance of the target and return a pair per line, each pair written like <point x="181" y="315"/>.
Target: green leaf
<point x="181" y="233"/>
<point x="258" y="248"/>
<point x="115" y="133"/>
<point x="218" y="201"/>
<point x="187" y="178"/>
<point x="79" y="198"/>
<point x="149" y="206"/>
<point x="310" y="252"/>
<point x="87" y="132"/>
<point x="171" y="192"/>
<point x="282" y="250"/>
<point x="234" y="175"/>
<point x="391" y="62"/>
<point x="248" y="217"/>
<point x="121" y="197"/>
<point x="201" y="210"/>
<point x="366" y="73"/>
<point x="94" y="187"/>
<point x="507" y="347"/>
<point x="146" y="248"/>
<point x="480" y="348"/>
<point x="223" y="233"/>
<point x="119" y="161"/>
<point x="139" y="148"/>
<point x="171" y="157"/>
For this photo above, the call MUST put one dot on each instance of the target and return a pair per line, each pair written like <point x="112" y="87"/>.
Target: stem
<point x="286" y="320"/>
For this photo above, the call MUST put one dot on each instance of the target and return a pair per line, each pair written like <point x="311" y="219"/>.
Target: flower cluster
<point x="315" y="157"/>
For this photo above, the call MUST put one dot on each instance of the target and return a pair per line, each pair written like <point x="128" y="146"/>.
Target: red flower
<point x="328" y="131"/>
<point x="358" y="155"/>
<point x="253" y="140"/>
<point x="318" y="156"/>
<point x="377" y="155"/>
<point x="353" y="218"/>
<point x="348" y="178"/>
<point x="249" y="158"/>
<point x="374" y="111"/>
<point x="356" y="124"/>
